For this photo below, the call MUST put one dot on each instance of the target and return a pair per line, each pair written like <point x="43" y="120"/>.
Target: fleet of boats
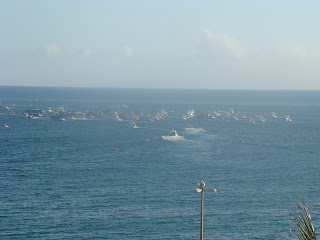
<point x="120" y="113"/>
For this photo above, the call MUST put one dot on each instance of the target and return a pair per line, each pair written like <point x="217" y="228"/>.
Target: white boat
<point x="34" y="112"/>
<point x="117" y="117"/>
<point x="5" y="125"/>
<point x="173" y="136"/>
<point x="134" y="125"/>
<point x="260" y="118"/>
<point x="58" y="118"/>
<point x="288" y="119"/>
<point x="189" y="114"/>
<point x="251" y="120"/>
<point x="173" y="133"/>
<point x="78" y="118"/>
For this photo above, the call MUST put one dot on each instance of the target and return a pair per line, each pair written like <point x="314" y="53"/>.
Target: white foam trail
<point x="173" y="138"/>
<point x="194" y="130"/>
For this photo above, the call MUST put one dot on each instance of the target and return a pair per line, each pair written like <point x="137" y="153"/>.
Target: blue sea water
<point x="100" y="178"/>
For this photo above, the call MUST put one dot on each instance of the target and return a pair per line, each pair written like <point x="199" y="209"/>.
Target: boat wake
<point x="193" y="130"/>
<point x="173" y="138"/>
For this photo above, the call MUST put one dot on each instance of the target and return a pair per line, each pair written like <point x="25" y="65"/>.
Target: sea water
<point x="100" y="178"/>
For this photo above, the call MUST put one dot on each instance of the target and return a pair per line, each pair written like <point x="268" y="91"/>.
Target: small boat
<point x="173" y="136"/>
<point x="34" y="112"/>
<point x="58" y="118"/>
<point x="262" y="119"/>
<point x="273" y="114"/>
<point x="6" y="125"/>
<point x="79" y="118"/>
<point x="288" y="119"/>
<point x="173" y="133"/>
<point x="134" y="125"/>
<point x="117" y="117"/>
<point x="251" y="120"/>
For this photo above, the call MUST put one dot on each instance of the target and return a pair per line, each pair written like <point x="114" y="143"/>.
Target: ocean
<point x="110" y="170"/>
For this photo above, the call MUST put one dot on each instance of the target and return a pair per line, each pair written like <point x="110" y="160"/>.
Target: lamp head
<point x="202" y="184"/>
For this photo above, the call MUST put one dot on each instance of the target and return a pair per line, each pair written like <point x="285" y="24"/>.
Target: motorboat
<point x="34" y="112"/>
<point x="173" y="133"/>
<point x="252" y="120"/>
<point x="173" y="136"/>
<point x="58" y="118"/>
<point x="134" y="125"/>
<point x="288" y="119"/>
<point x="117" y="117"/>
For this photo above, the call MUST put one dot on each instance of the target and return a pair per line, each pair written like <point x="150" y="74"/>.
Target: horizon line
<point x="141" y="88"/>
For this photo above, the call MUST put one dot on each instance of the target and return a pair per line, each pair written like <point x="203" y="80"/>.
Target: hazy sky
<point x="161" y="44"/>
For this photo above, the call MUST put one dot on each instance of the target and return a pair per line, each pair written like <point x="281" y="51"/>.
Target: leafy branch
<point x="304" y="228"/>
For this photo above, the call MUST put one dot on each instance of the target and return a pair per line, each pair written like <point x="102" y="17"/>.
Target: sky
<point x="179" y="44"/>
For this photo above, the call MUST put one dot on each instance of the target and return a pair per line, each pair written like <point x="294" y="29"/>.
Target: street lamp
<point x="201" y="190"/>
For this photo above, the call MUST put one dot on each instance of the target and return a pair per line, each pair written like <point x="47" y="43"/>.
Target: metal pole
<point x="201" y="189"/>
<point x="201" y="220"/>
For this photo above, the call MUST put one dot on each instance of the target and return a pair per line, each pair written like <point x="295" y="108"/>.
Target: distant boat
<point x="173" y="133"/>
<point x="262" y="119"/>
<point x="117" y="117"/>
<point x="5" y="125"/>
<point x="273" y="114"/>
<point x="78" y="118"/>
<point x="189" y="114"/>
<point x="288" y="119"/>
<point x="4" y="107"/>
<point x="58" y="118"/>
<point x="173" y="136"/>
<point x="33" y="113"/>
<point x="251" y="120"/>
<point x="134" y="125"/>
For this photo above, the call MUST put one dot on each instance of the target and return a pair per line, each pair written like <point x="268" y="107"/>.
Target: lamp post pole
<point x="201" y="220"/>
<point x="201" y="189"/>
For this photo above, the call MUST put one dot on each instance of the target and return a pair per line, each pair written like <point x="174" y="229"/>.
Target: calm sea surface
<point x="95" y="176"/>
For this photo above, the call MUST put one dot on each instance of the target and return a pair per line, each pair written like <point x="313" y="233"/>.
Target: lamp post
<point x="201" y="190"/>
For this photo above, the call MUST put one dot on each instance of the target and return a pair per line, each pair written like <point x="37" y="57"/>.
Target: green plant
<point x="304" y="229"/>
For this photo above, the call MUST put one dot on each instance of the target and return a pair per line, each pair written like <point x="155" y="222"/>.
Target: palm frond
<point x="304" y="228"/>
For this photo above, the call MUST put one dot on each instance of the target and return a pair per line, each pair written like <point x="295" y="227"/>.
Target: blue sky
<point x="161" y="44"/>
